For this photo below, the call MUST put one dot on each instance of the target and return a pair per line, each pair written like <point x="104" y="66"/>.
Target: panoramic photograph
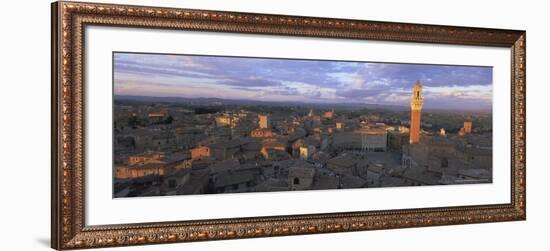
<point x="196" y="124"/>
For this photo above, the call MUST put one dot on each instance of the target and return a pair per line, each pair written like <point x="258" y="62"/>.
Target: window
<point x="296" y="181"/>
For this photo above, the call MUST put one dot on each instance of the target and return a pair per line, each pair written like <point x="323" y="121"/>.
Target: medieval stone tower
<point x="416" y="111"/>
<point x="468" y="125"/>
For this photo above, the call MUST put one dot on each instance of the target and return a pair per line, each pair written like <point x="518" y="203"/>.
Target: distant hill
<point x="213" y="101"/>
<point x="340" y="106"/>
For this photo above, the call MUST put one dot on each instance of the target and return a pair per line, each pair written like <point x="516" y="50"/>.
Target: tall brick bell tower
<point x="416" y="111"/>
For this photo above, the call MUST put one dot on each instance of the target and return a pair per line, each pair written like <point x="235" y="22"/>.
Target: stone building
<point x="306" y="151"/>
<point x="148" y="156"/>
<point x="189" y="136"/>
<point x="467" y="128"/>
<point x="197" y="183"/>
<point x="300" y="177"/>
<point x="261" y="133"/>
<point x="348" y="164"/>
<point x="263" y="121"/>
<point x="448" y="156"/>
<point x="234" y="182"/>
<point x="328" y="114"/>
<point x="163" y="140"/>
<point x="416" y="112"/>
<point x="176" y="179"/>
<point x="273" y="146"/>
<point x="468" y="125"/>
<point x="396" y="140"/>
<point x="373" y="139"/>
<point x="153" y="168"/>
<point x="156" y="117"/>
<point x="225" y="149"/>
<point x="200" y="152"/>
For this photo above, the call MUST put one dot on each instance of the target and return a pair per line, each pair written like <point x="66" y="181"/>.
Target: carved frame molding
<point x="68" y="226"/>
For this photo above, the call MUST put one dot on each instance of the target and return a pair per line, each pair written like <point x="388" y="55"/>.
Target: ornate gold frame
<point x="68" y="228"/>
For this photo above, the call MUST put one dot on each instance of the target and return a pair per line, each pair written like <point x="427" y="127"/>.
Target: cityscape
<point x="187" y="124"/>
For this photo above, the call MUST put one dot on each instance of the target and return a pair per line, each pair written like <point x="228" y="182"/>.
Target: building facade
<point x="261" y="133"/>
<point x="263" y="121"/>
<point x="200" y="152"/>
<point x="468" y="126"/>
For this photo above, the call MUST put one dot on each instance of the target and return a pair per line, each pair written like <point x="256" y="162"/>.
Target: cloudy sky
<point x="311" y="81"/>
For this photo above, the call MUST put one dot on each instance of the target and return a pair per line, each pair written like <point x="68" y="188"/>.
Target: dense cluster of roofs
<point x="172" y="150"/>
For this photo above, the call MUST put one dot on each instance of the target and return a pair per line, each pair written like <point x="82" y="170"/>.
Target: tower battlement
<point x="417" y="100"/>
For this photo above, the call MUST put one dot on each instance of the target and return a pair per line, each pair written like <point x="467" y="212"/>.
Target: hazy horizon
<point x="323" y="82"/>
<point x="331" y="105"/>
